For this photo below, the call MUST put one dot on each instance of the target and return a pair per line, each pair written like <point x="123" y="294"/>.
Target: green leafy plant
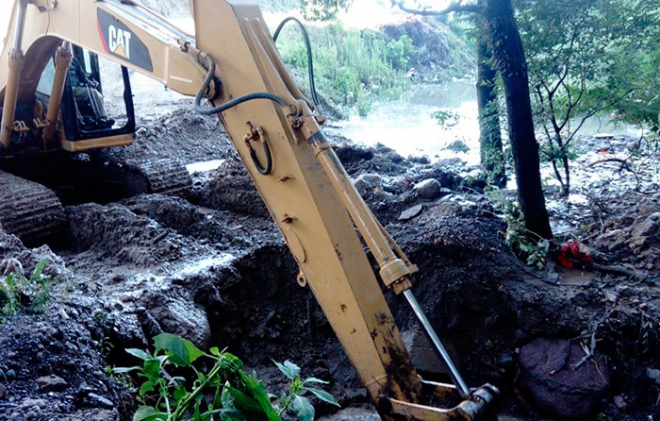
<point x="19" y="292"/>
<point x="294" y="400"/>
<point x="525" y="244"/>
<point x="225" y="392"/>
<point x="446" y="118"/>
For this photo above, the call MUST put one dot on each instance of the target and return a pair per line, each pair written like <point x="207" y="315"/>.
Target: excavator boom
<point x="233" y="63"/>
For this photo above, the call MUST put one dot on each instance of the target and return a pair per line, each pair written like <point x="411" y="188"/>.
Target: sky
<point x="373" y="13"/>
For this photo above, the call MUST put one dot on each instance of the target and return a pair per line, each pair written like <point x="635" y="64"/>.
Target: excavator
<point x="52" y="111"/>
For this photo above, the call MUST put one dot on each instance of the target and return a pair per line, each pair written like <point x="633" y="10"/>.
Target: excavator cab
<point x="84" y="112"/>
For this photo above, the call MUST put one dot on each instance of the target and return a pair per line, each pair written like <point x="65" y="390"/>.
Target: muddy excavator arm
<point x="232" y="62"/>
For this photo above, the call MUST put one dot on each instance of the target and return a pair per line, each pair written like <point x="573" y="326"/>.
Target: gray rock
<point x="548" y="373"/>
<point x="52" y="382"/>
<point x="410" y="213"/>
<point x="39" y="403"/>
<point x="3" y="391"/>
<point x="98" y="400"/>
<point x="428" y="189"/>
<point x="180" y="317"/>
<point x="646" y="228"/>
<point x="367" y="181"/>
<point x="653" y="374"/>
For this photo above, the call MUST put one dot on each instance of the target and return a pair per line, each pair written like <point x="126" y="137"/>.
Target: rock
<point x="653" y="374"/>
<point x="98" y="400"/>
<point x="620" y="402"/>
<point x="549" y="376"/>
<point x="410" y="213"/>
<point x="3" y="392"/>
<point x="553" y="277"/>
<point x="52" y="382"/>
<point x="428" y="189"/>
<point x="367" y="181"/>
<point x="94" y="414"/>
<point x="39" y="403"/>
<point x="9" y="266"/>
<point x="646" y="228"/>
<point x="179" y="317"/>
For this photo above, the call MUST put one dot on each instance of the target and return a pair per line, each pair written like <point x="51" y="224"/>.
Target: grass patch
<point x="353" y="68"/>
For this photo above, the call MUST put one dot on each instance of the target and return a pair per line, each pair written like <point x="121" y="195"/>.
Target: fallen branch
<point x="621" y="270"/>
<point x="624" y="165"/>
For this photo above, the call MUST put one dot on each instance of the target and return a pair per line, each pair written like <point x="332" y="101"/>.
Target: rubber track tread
<point x="165" y="176"/>
<point x="29" y="210"/>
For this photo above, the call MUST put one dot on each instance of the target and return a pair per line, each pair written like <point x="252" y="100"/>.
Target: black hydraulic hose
<point x="310" y="62"/>
<point x="234" y="102"/>
<point x="269" y="160"/>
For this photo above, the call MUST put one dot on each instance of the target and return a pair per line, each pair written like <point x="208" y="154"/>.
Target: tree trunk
<point x="490" y="137"/>
<point x="510" y="57"/>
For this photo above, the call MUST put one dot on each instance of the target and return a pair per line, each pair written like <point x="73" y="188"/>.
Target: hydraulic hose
<point x="310" y="62"/>
<point x="234" y="102"/>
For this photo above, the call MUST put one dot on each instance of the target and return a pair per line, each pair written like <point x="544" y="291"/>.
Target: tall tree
<point x="504" y="37"/>
<point x="579" y="53"/>
<point x="490" y="135"/>
<point x="512" y="65"/>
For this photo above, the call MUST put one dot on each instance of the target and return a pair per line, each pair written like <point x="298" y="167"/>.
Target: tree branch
<point x="453" y="7"/>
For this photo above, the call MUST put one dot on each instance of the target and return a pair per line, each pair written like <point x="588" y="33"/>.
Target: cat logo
<point x="119" y="41"/>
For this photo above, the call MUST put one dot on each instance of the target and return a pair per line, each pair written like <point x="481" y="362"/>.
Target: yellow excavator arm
<point x="233" y="63"/>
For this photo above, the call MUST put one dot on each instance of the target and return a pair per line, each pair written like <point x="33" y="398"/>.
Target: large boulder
<point x="560" y="378"/>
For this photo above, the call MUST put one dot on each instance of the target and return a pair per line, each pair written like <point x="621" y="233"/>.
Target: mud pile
<point x="215" y="270"/>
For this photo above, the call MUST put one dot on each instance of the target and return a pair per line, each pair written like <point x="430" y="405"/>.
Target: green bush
<point x="19" y="292"/>
<point x="225" y="393"/>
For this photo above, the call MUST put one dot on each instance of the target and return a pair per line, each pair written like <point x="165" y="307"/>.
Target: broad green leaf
<point x="181" y="351"/>
<point x="323" y="395"/>
<point x="290" y="370"/>
<point x="146" y="387"/>
<point x="248" y="405"/>
<point x="179" y="394"/>
<point x="152" y="370"/>
<point x="138" y="353"/>
<point x="148" y="413"/>
<point x="257" y="390"/>
<point x="303" y="408"/>
<point x="226" y="414"/>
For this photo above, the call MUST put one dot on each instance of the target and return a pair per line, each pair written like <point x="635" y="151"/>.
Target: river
<point x="407" y="126"/>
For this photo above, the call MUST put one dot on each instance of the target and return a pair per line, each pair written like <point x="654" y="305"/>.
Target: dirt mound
<point x="231" y="189"/>
<point x="182" y="133"/>
<point x="437" y="50"/>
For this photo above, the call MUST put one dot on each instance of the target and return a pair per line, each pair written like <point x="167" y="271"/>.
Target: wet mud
<point x="215" y="269"/>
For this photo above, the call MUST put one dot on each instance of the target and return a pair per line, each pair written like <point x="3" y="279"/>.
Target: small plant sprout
<point x="19" y="292"/>
<point x="294" y="399"/>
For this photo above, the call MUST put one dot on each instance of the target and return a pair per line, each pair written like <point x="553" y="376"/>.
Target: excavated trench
<point x="215" y="270"/>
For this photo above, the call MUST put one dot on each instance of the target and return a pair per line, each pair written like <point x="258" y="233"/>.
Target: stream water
<point x="407" y="126"/>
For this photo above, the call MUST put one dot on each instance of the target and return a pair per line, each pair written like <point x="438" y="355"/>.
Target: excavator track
<point x="164" y="176"/>
<point x="29" y="210"/>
